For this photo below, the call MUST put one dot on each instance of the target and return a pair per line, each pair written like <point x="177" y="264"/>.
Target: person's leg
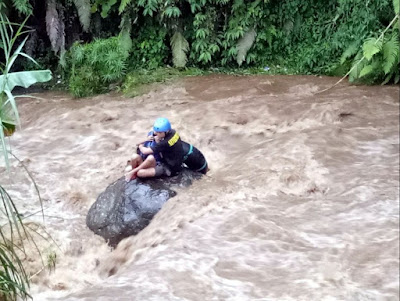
<point x="144" y="170"/>
<point x="134" y="162"/>
<point x="158" y="170"/>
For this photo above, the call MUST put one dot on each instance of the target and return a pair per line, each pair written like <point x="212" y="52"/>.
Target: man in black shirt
<point x="168" y="146"/>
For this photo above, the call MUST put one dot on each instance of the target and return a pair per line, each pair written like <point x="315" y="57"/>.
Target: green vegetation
<point x="9" y="116"/>
<point x="300" y="36"/>
<point x="93" y="66"/>
<point x="137" y="82"/>
<point x="14" y="282"/>
<point x="378" y="58"/>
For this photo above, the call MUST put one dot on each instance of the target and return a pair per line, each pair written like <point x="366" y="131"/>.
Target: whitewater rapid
<point x="301" y="202"/>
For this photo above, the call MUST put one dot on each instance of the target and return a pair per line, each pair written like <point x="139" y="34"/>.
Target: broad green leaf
<point x="11" y="100"/>
<point x="23" y="79"/>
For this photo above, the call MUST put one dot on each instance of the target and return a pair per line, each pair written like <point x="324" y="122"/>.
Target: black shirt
<point x="171" y="151"/>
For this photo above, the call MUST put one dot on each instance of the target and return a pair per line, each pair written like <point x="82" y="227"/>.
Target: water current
<point x="301" y="202"/>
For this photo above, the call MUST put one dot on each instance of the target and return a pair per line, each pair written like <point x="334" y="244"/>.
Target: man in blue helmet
<point x="168" y="146"/>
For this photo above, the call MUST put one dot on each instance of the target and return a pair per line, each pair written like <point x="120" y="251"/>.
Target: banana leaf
<point x="23" y="79"/>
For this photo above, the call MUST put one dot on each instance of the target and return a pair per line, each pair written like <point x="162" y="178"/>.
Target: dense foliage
<point x="93" y="66"/>
<point x="298" y="36"/>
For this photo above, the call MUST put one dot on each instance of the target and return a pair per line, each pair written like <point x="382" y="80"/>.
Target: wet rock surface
<point x="124" y="209"/>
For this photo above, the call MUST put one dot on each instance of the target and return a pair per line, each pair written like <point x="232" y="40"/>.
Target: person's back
<point x="194" y="159"/>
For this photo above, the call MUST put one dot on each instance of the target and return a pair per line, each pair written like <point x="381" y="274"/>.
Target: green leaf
<point x="11" y="101"/>
<point x="244" y="44"/>
<point x="349" y="52"/>
<point x="396" y="6"/>
<point x="358" y="65"/>
<point x="123" y="5"/>
<point x="23" y="79"/>
<point x="23" y="6"/>
<point x="366" y="70"/>
<point x="371" y="47"/>
<point x="172" y="12"/>
<point x="200" y="33"/>
<point x="179" y="49"/>
<point x="106" y="6"/>
<point x="83" y="8"/>
<point x="390" y="54"/>
<point x="387" y="79"/>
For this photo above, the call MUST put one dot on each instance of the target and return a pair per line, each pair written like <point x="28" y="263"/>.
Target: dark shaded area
<point x="124" y="209"/>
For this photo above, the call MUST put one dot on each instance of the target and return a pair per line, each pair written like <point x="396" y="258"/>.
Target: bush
<point x="94" y="66"/>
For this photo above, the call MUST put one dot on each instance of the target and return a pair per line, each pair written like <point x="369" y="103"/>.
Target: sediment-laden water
<point x="301" y="203"/>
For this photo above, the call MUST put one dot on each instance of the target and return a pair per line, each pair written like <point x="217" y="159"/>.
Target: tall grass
<point x="14" y="281"/>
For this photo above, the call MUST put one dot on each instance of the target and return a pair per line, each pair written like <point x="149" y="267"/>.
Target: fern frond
<point x="350" y="51"/>
<point x="123" y="5"/>
<point x="83" y="7"/>
<point x="373" y="68"/>
<point x="244" y="44"/>
<point x="23" y="6"/>
<point x="390" y="54"/>
<point x="396" y="6"/>
<point x="371" y="47"/>
<point x="366" y="70"/>
<point x="125" y="40"/>
<point x="358" y="65"/>
<point x="179" y="49"/>
<point x="52" y="24"/>
<point x="61" y="40"/>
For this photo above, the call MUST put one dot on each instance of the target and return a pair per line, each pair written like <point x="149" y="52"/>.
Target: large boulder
<point x="124" y="209"/>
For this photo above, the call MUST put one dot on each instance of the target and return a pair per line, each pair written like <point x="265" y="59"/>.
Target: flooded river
<point x="301" y="202"/>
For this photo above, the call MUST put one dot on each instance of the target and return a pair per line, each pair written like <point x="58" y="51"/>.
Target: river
<point x="301" y="202"/>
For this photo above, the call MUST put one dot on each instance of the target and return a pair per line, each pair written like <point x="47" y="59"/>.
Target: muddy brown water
<point x="301" y="203"/>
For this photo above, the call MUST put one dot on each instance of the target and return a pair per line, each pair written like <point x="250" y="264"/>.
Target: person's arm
<point x="150" y="136"/>
<point x="145" y="150"/>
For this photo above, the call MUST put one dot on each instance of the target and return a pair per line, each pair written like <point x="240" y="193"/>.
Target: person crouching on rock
<point x="168" y="147"/>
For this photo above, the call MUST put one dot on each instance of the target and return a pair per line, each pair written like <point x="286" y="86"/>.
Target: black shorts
<point x="195" y="160"/>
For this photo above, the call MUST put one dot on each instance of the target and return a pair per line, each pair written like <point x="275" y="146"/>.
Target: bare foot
<point x="128" y="166"/>
<point x="131" y="175"/>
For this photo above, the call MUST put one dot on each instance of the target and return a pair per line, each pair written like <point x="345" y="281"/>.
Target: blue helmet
<point x="162" y="125"/>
